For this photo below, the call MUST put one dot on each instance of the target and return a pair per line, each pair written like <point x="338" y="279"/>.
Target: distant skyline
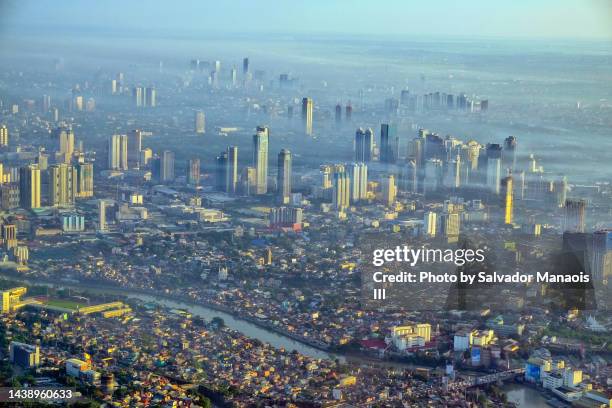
<point x="552" y="19"/>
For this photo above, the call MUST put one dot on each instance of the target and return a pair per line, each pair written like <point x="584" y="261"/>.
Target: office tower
<point x="601" y="259"/>
<point x="326" y="172"/>
<point x="77" y="103"/>
<point x="338" y="115"/>
<point x="473" y="152"/>
<point x="389" y="190"/>
<point x="217" y="66"/>
<point x="62" y="185"/>
<point x="101" y="215"/>
<point x="248" y="181"/>
<point x="65" y="141"/>
<point x="113" y="86"/>
<point x="348" y="112"/>
<point x="307" y="107"/>
<point x="364" y="144"/>
<point x="507" y="193"/>
<point x="29" y="186"/>
<point x="358" y="175"/>
<point x="46" y="103"/>
<point x="134" y="145"/>
<point x="284" y="176"/>
<point x="166" y="166"/>
<point x="260" y="159"/>
<point x="341" y="190"/>
<point x="574" y="215"/>
<point x="231" y="184"/>
<point x="221" y="171"/>
<point x="150" y="97"/>
<point x="200" y="122"/>
<point x="388" y="139"/>
<point x="245" y="66"/>
<point x="233" y="77"/>
<point x="453" y="173"/>
<point x="193" y="172"/>
<point x="24" y="355"/>
<point x="493" y="167"/>
<point x="409" y="177"/>
<point x="138" y="96"/>
<point x="146" y="155"/>
<point x="509" y="153"/>
<point x="430" y="225"/>
<point x="4" y="136"/>
<point x="118" y="152"/>
<point x="85" y="182"/>
<point x="433" y="175"/>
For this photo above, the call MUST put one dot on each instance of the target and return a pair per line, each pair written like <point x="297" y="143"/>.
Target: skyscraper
<point x="358" y="176"/>
<point x="389" y="190"/>
<point x="85" y="182"/>
<point x="507" y="193"/>
<point x="509" y="153"/>
<point x="388" y="139"/>
<point x="433" y="175"/>
<point x="166" y="166"/>
<point x="65" y="141"/>
<point x="231" y="174"/>
<point x="4" y="136"/>
<point x="574" y="215"/>
<point x="341" y="192"/>
<point x="101" y="215"/>
<point x="200" y="122"/>
<point x="134" y="148"/>
<point x="494" y="167"/>
<point x="221" y="172"/>
<point x="348" y="112"/>
<point x="150" y="97"/>
<point x="62" y="185"/>
<point x="409" y="177"/>
<point x="430" y="224"/>
<point x="338" y="114"/>
<point x="260" y="159"/>
<point x="118" y="152"/>
<point x="193" y="172"/>
<point x="29" y="186"/>
<point x="138" y="96"/>
<point x="283" y="176"/>
<point x="307" y="108"/>
<point x="364" y="144"/>
<point x="245" y="66"/>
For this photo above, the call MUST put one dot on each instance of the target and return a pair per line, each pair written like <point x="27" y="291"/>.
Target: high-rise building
<point x="150" y="97"/>
<point x="46" y="103"/>
<point x="138" y="96"/>
<point x="29" y="186"/>
<point x="62" y="185"/>
<point x="101" y="215"/>
<point x="291" y="217"/>
<point x="9" y="196"/>
<point x="231" y="173"/>
<point x="388" y="143"/>
<point x="248" y="180"/>
<point x="193" y="172"/>
<point x="601" y="259"/>
<point x="433" y="175"/>
<point x="574" y="215"/>
<point x="283" y="176"/>
<point x="389" y="191"/>
<point x="451" y="226"/>
<point x="4" y="136"/>
<point x="85" y="181"/>
<point x="64" y="137"/>
<point x="166" y="166"/>
<point x="364" y="145"/>
<point x="358" y="175"/>
<point x="341" y="190"/>
<point x="118" y="152"/>
<point x="245" y="66"/>
<point x="134" y="148"/>
<point x="307" y="112"/>
<point x="430" y="224"/>
<point x="200" y="122"/>
<point x="9" y="236"/>
<point x="221" y="171"/>
<point x="494" y="167"/>
<point x="409" y="182"/>
<point x="507" y="193"/>
<point x="509" y="153"/>
<point x="24" y="355"/>
<point x="338" y="114"/>
<point x="348" y="112"/>
<point x="146" y="155"/>
<point x="260" y="159"/>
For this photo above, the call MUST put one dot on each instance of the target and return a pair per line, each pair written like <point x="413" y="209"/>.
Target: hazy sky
<point x="507" y="18"/>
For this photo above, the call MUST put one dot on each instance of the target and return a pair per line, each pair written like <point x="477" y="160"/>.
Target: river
<point x="525" y="397"/>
